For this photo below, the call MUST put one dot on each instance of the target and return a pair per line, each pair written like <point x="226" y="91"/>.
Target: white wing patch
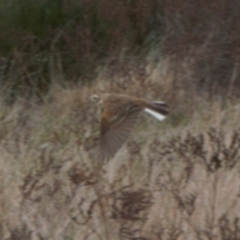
<point x="157" y="115"/>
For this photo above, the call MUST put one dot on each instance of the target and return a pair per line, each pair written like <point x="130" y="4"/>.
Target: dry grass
<point x="174" y="180"/>
<point x="65" y="41"/>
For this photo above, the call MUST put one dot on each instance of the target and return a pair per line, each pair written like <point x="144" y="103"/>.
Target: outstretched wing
<point x="115" y="131"/>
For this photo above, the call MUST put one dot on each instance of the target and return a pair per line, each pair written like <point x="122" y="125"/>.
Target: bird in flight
<point x="119" y="115"/>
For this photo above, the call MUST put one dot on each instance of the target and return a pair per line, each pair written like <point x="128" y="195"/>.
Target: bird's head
<point x="95" y="98"/>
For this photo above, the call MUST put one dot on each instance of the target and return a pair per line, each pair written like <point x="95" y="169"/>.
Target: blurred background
<point x="174" y="180"/>
<point x="45" y="42"/>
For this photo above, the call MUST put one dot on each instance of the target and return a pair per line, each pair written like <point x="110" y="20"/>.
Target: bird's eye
<point x="95" y="97"/>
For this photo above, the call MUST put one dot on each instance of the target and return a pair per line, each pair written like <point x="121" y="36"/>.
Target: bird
<point x="119" y="114"/>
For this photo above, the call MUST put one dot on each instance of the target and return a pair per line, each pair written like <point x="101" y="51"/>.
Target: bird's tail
<point x="159" y="110"/>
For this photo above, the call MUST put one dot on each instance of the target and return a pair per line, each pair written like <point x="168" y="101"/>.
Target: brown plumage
<point x="119" y="115"/>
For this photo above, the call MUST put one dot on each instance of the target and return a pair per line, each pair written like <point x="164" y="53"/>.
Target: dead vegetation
<point x="171" y="181"/>
<point x="175" y="180"/>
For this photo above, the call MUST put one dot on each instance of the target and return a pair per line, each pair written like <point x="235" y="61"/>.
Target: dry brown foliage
<point x="173" y="180"/>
